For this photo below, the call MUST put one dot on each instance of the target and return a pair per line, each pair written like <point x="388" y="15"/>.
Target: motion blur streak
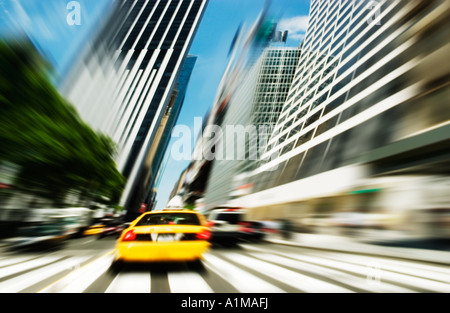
<point x="349" y="192"/>
<point x="360" y="146"/>
<point x="49" y="157"/>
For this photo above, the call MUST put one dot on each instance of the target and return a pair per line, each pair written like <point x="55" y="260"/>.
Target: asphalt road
<point x="83" y="266"/>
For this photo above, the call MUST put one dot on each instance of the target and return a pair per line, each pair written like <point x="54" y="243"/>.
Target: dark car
<point x="228" y="225"/>
<point x="224" y="225"/>
<point x="39" y="235"/>
<point x="112" y="228"/>
<point x="252" y="231"/>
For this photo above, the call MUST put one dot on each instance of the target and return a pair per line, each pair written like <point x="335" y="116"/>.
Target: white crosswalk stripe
<point x="187" y="282"/>
<point x="294" y="279"/>
<point x="345" y="278"/>
<point x="27" y="265"/>
<point x="130" y="283"/>
<point x="21" y="282"/>
<point x="253" y="269"/>
<point x="362" y="267"/>
<point x="433" y="272"/>
<point x="239" y="278"/>
<point x="79" y="280"/>
<point x="6" y="261"/>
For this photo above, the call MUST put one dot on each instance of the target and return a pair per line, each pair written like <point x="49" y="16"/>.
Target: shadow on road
<point x="157" y="267"/>
<point x="428" y="244"/>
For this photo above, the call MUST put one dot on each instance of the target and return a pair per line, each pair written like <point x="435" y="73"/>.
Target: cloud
<point x="296" y="26"/>
<point x="298" y="37"/>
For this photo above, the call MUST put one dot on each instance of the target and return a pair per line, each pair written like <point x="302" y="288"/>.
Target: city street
<point x="311" y="136"/>
<point x="83" y="266"/>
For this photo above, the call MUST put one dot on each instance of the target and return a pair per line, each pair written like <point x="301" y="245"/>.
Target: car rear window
<point x="169" y="219"/>
<point x="231" y="218"/>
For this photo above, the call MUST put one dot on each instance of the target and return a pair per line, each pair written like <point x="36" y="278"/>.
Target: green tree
<point x="43" y="134"/>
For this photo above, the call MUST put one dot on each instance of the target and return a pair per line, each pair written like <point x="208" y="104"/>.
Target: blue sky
<point x="45" y="23"/>
<point x="211" y="45"/>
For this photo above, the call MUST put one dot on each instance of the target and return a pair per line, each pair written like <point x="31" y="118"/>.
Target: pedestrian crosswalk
<point x="239" y="277"/>
<point x="130" y="283"/>
<point x="250" y="269"/>
<point x="187" y="282"/>
<point x="21" y="282"/>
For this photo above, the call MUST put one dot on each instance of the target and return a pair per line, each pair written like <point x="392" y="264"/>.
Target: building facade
<point x="158" y="152"/>
<point x="368" y="103"/>
<point x="126" y="79"/>
<point x="252" y="113"/>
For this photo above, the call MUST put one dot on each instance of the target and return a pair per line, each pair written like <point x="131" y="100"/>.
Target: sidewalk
<point x="349" y="245"/>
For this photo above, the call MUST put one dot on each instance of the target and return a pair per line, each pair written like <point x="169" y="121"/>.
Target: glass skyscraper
<point x="125" y="80"/>
<point x="369" y="99"/>
<point x="251" y="115"/>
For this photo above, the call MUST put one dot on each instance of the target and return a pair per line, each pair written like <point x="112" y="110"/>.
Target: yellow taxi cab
<point x="169" y="235"/>
<point x="94" y="230"/>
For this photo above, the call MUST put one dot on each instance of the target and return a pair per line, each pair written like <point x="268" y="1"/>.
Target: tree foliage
<point x="43" y="134"/>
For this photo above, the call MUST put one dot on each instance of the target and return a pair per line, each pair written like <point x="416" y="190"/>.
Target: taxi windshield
<point x="169" y="219"/>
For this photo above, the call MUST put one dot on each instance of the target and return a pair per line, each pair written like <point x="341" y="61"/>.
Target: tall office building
<point x="125" y="80"/>
<point x="369" y="101"/>
<point x="245" y="51"/>
<point x="158" y="151"/>
<point x="252" y="113"/>
<point x="174" y="111"/>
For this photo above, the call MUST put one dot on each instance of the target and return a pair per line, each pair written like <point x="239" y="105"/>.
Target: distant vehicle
<point x="96" y="229"/>
<point x="51" y="233"/>
<point x="224" y="223"/>
<point x="252" y="231"/>
<point x="50" y="226"/>
<point x="178" y="235"/>
<point x="77" y="220"/>
<point x="112" y="227"/>
<point x="74" y="220"/>
<point x="105" y="227"/>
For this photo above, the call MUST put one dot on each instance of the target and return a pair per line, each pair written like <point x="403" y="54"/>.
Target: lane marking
<point x="80" y="279"/>
<point x="187" y="282"/>
<point x="294" y="279"/>
<point x="239" y="278"/>
<point x="26" y="280"/>
<point x="24" y="266"/>
<point x="130" y="283"/>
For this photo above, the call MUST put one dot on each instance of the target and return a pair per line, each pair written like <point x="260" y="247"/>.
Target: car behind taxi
<point x="96" y="229"/>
